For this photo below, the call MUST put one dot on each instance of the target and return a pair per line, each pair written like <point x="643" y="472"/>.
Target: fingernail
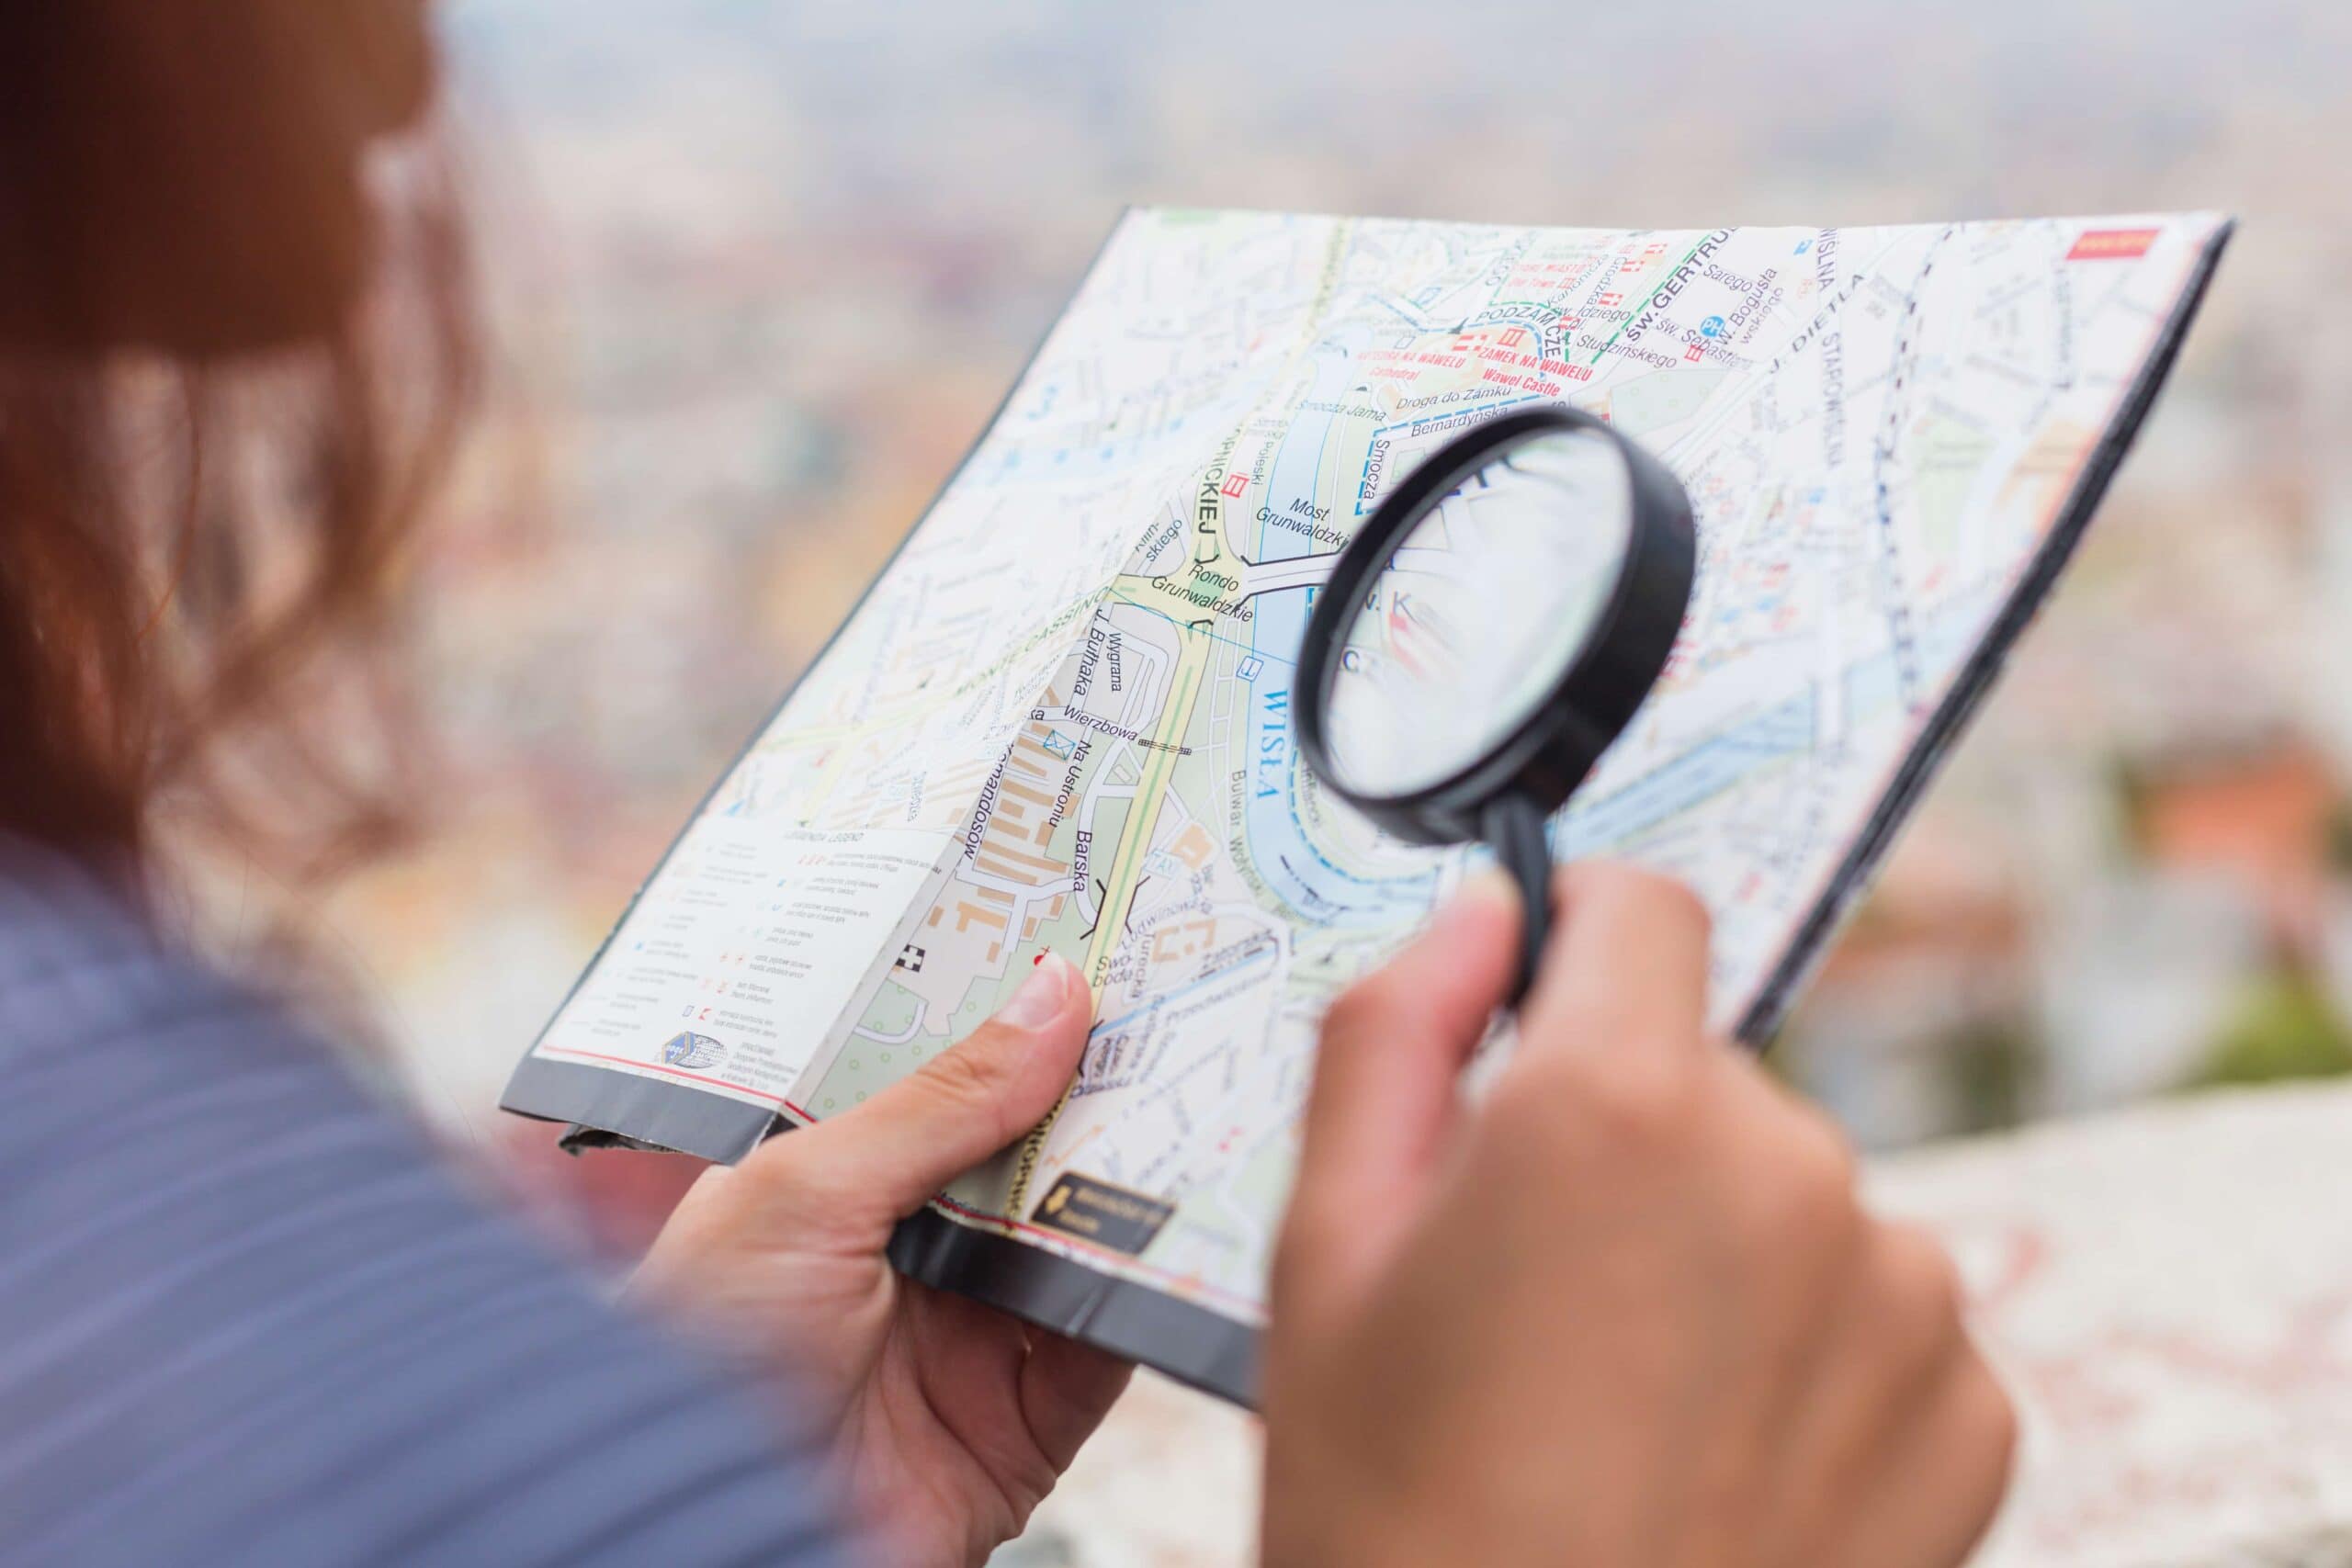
<point x="1476" y="898"/>
<point x="1488" y="885"/>
<point x="1039" y="1000"/>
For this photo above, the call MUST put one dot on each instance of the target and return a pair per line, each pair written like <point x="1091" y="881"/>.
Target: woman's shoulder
<point x="247" y="1316"/>
<point x="71" y="943"/>
<point x="59" y="915"/>
<point x="99" y="1009"/>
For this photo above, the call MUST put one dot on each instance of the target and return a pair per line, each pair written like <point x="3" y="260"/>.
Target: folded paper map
<point x="1061" y="718"/>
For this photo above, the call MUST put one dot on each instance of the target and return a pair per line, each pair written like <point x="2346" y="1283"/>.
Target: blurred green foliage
<point x="1992" y="1073"/>
<point x="2286" y="1027"/>
<point x="2339" y="839"/>
<point x="2129" y="790"/>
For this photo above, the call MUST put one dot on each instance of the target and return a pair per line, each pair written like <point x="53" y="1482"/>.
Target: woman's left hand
<point x="949" y="1421"/>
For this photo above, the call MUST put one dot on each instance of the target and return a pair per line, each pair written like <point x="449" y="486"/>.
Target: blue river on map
<point x="1320" y="892"/>
<point x="1317" y="891"/>
<point x="1315" y="888"/>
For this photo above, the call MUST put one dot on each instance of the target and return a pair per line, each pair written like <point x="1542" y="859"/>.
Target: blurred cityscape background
<point x="762" y="270"/>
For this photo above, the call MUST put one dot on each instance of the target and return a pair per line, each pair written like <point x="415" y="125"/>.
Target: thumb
<point x="913" y="1138"/>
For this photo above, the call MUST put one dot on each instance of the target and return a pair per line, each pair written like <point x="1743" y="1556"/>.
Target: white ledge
<point x="2166" y="1290"/>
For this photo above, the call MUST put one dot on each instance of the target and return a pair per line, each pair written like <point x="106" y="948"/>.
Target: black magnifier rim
<point x="1555" y="743"/>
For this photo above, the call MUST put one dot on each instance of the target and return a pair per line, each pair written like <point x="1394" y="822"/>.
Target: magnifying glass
<point x="1494" y="626"/>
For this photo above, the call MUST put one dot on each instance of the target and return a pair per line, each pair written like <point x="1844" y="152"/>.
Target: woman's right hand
<point x="1626" y="1311"/>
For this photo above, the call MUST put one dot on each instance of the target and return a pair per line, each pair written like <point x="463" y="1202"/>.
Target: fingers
<point x="1897" y="1412"/>
<point x="890" y="1154"/>
<point x="1393" y="1046"/>
<point x="1930" y="1488"/>
<point x="1966" y="1441"/>
<point x="1066" y="1390"/>
<point x="1627" y="968"/>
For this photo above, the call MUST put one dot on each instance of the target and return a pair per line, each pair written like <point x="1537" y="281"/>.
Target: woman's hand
<point x="949" y="1421"/>
<point x="1625" y="1312"/>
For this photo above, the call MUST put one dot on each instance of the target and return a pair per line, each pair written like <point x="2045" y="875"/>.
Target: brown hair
<point x="233" y="357"/>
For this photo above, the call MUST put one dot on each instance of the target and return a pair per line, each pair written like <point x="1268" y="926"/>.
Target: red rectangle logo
<point x="2113" y="244"/>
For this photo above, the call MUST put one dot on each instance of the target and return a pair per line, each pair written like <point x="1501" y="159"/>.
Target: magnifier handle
<point x="1514" y="829"/>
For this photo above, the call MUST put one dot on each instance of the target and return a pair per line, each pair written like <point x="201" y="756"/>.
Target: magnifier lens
<point x="1489" y="599"/>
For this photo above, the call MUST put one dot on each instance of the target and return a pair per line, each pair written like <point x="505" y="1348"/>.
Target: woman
<point x="1625" y="1312"/>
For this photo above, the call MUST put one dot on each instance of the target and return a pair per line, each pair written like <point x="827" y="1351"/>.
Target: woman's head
<point x="232" y="354"/>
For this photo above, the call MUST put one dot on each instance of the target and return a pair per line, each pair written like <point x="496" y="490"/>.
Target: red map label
<point x="2113" y="244"/>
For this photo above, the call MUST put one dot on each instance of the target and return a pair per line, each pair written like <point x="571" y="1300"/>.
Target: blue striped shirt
<point x="247" y="1317"/>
